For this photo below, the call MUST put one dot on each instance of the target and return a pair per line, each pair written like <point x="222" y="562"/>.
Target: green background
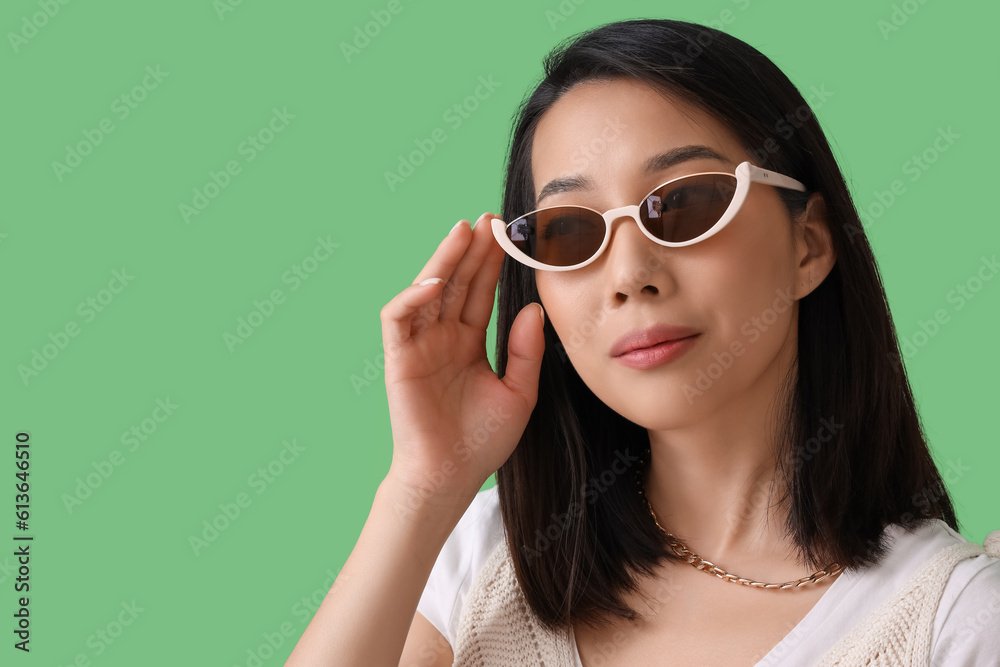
<point x="322" y="176"/>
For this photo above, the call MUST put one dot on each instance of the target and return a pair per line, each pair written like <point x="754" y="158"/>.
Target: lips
<point x="650" y="336"/>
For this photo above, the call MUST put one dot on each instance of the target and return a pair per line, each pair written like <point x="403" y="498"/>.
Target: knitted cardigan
<point x="498" y="628"/>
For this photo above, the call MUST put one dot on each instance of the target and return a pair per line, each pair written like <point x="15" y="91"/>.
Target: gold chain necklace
<point x="700" y="563"/>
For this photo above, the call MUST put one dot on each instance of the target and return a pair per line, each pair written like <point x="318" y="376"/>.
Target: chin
<point x="657" y="411"/>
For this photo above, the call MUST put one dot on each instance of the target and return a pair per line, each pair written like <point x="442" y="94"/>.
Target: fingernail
<point x="430" y="281"/>
<point x="457" y="224"/>
<point x="541" y="313"/>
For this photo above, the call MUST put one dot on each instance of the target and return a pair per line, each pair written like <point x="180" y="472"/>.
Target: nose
<point x="634" y="264"/>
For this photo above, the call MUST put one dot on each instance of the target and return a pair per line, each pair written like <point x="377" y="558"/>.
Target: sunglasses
<point x="680" y="212"/>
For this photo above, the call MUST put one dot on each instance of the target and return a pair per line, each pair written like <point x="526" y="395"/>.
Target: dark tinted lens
<point x="688" y="207"/>
<point x="559" y="236"/>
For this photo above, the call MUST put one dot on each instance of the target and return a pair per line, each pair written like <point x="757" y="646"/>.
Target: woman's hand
<point x="454" y="422"/>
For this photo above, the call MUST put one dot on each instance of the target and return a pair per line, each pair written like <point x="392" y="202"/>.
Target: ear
<point x="813" y="246"/>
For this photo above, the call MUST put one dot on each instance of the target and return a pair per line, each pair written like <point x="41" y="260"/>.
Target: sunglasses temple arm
<point x="761" y="175"/>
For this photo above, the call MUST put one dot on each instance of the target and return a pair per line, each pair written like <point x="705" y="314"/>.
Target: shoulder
<point x="463" y="555"/>
<point x="967" y="625"/>
<point x="958" y="603"/>
<point x="908" y="552"/>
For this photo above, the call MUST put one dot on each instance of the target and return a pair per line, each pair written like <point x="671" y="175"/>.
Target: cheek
<point x="576" y="314"/>
<point x="747" y="290"/>
<point x="749" y="276"/>
<point x="750" y="300"/>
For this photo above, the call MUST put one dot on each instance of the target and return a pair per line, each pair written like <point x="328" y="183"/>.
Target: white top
<point x="966" y="628"/>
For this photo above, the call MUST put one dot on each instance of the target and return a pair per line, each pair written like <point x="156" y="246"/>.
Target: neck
<point x="710" y="484"/>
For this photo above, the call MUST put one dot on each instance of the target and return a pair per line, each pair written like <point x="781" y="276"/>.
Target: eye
<point x="560" y="225"/>
<point x="686" y="195"/>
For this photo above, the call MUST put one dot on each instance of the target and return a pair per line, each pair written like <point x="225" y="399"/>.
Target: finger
<point x="442" y="265"/>
<point x="457" y="288"/>
<point x="483" y="289"/>
<point x="524" y="353"/>
<point x="448" y="254"/>
<point x="398" y="315"/>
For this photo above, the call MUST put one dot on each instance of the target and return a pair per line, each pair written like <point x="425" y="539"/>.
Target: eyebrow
<point x="660" y="162"/>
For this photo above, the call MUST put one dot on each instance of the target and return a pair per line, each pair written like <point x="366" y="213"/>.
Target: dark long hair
<point x="578" y="531"/>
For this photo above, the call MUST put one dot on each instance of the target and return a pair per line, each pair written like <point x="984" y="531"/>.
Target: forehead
<point x="607" y="129"/>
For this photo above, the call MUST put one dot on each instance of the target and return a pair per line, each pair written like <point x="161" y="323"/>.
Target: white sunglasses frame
<point x="745" y="173"/>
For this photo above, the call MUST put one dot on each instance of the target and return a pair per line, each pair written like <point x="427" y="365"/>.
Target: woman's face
<point x="738" y="289"/>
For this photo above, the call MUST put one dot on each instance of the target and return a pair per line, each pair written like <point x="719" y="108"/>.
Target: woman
<point x="714" y="382"/>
